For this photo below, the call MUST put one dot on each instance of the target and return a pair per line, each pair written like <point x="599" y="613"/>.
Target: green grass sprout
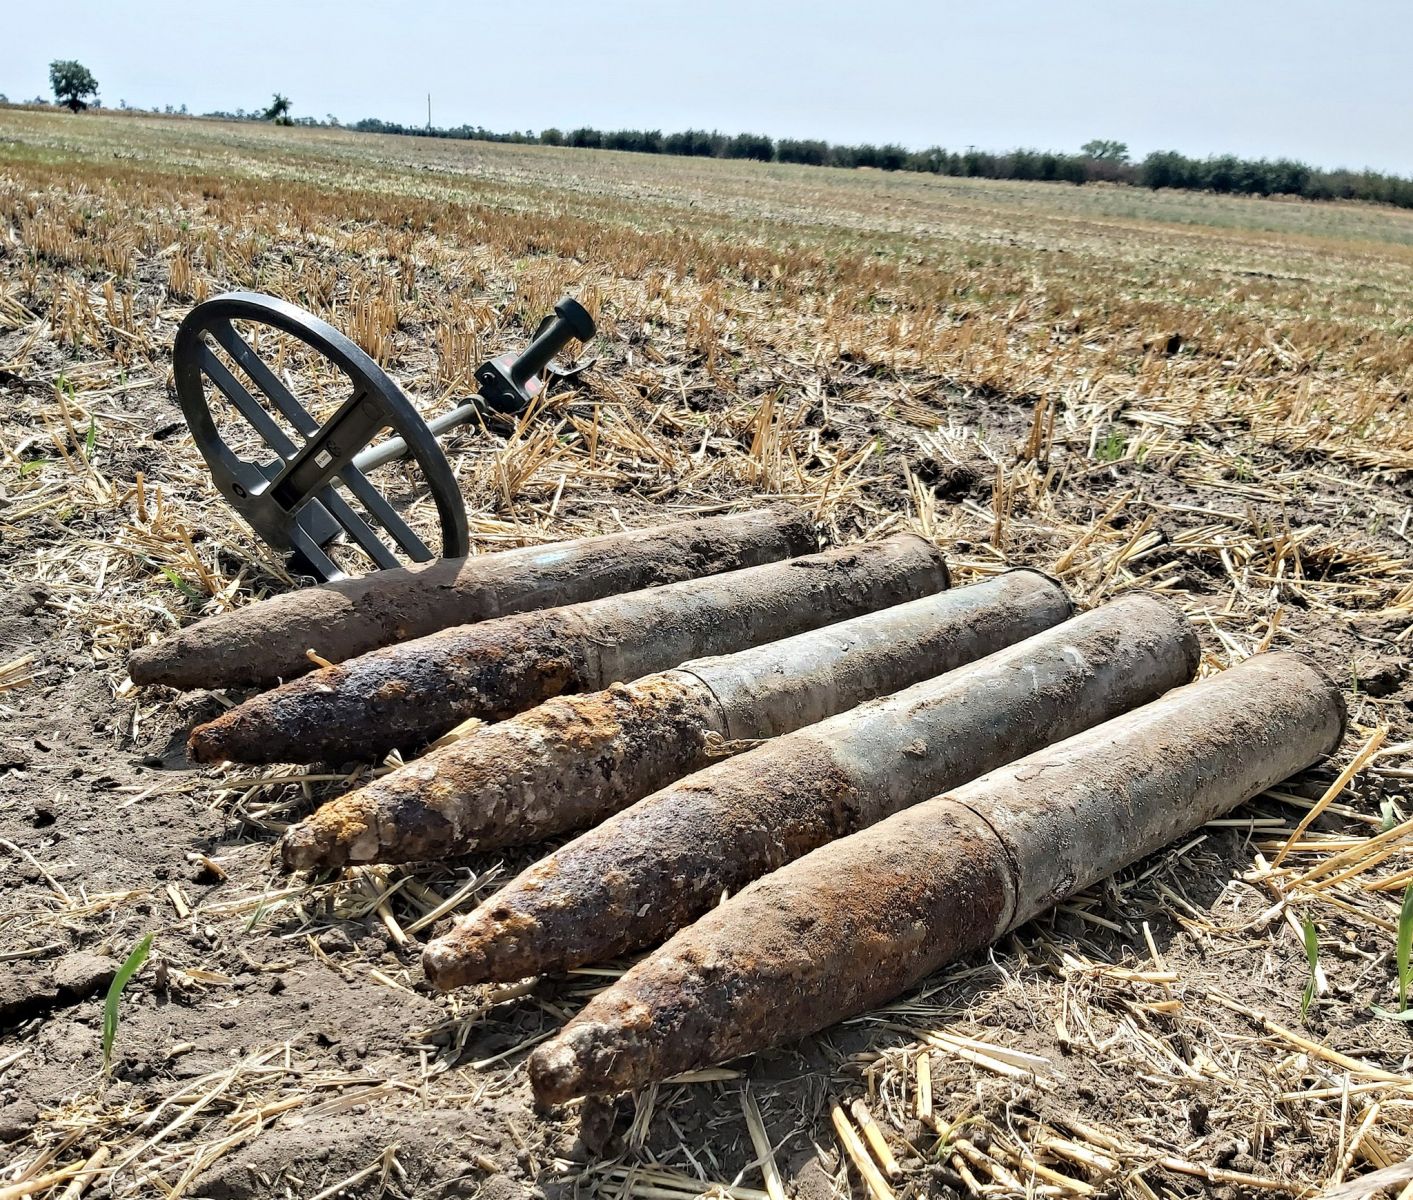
<point x="131" y="965"/>
<point x="1404" y="946"/>
<point x="1312" y="956"/>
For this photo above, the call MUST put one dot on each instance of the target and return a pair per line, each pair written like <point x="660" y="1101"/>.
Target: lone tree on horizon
<point x="73" y="83"/>
<point x="278" y="112"/>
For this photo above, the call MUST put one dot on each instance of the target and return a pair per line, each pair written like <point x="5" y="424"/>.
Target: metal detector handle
<point x="508" y="384"/>
<point x="571" y="321"/>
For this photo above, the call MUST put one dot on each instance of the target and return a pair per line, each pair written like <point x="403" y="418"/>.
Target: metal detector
<point x="295" y="499"/>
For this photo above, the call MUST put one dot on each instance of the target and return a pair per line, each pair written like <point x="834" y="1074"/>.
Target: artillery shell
<point x="575" y="760"/>
<point x="658" y="865"/>
<point x="266" y="642"/>
<point x="406" y="695"/>
<point x="854" y="924"/>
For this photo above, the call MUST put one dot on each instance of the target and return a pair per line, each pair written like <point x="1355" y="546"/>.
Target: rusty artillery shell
<point x="266" y="642"/>
<point x="658" y="865"/>
<point x="576" y="759"/>
<point x="404" y="695"/>
<point x="854" y="924"/>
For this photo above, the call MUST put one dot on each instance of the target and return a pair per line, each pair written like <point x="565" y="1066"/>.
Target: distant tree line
<point x="1096" y="161"/>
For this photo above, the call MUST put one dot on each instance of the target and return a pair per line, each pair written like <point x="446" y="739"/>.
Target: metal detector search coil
<point x="293" y="501"/>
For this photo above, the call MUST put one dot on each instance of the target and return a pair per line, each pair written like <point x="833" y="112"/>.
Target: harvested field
<point x="1203" y="397"/>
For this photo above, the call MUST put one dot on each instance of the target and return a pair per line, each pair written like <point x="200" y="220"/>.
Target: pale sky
<point x="1329" y="82"/>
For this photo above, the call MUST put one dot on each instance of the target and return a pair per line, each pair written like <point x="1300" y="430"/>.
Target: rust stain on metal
<point x="627" y="882"/>
<point x="744" y="977"/>
<point x="551" y="768"/>
<point x="389" y="697"/>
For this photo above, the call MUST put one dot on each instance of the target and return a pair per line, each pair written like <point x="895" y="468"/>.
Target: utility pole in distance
<point x="429" y="112"/>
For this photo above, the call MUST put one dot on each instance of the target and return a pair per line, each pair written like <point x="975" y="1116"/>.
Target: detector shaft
<point x="395" y="448"/>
